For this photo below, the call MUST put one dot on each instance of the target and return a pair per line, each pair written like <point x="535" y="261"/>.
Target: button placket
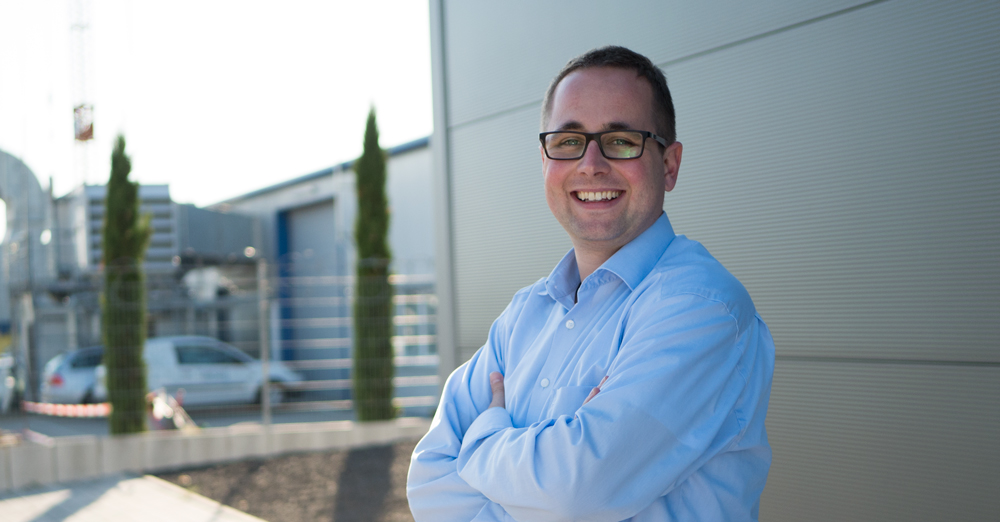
<point x="562" y="342"/>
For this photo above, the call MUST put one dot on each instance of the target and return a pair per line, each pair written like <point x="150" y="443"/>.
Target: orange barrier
<point x="68" y="410"/>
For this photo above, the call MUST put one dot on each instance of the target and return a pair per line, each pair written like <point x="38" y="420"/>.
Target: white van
<point x="208" y="371"/>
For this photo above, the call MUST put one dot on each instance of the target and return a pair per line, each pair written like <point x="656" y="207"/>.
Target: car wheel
<point x="88" y="398"/>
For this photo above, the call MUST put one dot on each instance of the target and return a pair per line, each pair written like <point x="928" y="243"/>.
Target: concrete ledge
<point x="67" y="459"/>
<point x="6" y="474"/>
<point x="77" y="458"/>
<point x="121" y="454"/>
<point x="32" y="464"/>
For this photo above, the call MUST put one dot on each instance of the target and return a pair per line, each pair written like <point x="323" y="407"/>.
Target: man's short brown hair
<point x="623" y="58"/>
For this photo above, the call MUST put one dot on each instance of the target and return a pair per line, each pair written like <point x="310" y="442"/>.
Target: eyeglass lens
<point x="617" y="145"/>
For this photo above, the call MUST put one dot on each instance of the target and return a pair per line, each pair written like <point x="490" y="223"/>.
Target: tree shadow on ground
<point x="364" y="484"/>
<point x="80" y="496"/>
<point x="243" y="486"/>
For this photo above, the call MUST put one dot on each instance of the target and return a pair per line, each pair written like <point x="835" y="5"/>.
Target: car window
<point x="194" y="354"/>
<point x="53" y="363"/>
<point x="87" y="359"/>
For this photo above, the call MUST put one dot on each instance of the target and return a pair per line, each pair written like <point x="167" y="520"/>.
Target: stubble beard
<point x="595" y="230"/>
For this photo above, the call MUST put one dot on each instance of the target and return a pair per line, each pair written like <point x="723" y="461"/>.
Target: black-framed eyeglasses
<point x="617" y="144"/>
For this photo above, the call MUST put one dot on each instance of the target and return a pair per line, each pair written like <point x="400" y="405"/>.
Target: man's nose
<point x="593" y="162"/>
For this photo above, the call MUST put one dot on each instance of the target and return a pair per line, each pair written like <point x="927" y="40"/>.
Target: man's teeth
<point x="598" y="196"/>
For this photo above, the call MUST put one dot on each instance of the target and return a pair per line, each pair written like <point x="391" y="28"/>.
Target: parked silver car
<point x="208" y="371"/>
<point x="69" y="378"/>
<point x="6" y="382"/>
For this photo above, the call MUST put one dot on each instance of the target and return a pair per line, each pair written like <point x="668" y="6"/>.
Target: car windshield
<point x="204" y="355"/>
<point x="87" y="358"/>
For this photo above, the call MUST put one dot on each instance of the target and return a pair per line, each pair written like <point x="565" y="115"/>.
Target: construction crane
<point x="83" y="109"/>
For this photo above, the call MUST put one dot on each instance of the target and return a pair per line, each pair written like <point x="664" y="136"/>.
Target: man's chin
<point x="596" y="234"/>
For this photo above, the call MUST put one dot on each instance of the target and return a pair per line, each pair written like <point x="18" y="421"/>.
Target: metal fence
<point x="314" y="338"/>
<point x="240" y="343"/>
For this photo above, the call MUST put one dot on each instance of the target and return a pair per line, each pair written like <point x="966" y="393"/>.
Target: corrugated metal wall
<point x="840" y="159"/>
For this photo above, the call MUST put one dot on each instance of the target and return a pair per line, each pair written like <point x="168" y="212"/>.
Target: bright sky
<point x="216" y="98"/>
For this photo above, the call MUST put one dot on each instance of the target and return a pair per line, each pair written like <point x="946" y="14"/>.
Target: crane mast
<point x="83" y="108"/>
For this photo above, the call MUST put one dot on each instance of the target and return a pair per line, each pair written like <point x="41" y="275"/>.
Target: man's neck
<point x="589" y="260"/>
<point x="591" y="255"/>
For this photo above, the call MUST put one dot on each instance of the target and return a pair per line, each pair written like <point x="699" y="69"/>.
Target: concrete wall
<point x="66" y="459"/>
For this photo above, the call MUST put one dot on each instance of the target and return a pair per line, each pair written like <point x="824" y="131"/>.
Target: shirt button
<point x="570" y="324"/>
<point x="545" y="383"/>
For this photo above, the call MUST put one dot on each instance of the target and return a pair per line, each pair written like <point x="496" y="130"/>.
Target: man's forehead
<point x="601" y="98"/>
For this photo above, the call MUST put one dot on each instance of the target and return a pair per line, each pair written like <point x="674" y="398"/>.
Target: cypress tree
<point x="373" y="363"/>
<point x="126" y="236"/>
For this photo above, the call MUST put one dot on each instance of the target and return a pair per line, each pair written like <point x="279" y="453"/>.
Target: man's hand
<point x="595" y="391"/>
<point x="496" y="382"/>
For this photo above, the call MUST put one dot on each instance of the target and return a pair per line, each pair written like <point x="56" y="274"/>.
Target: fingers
<point x="596" y="390"/>
<point x="496" y="383"/>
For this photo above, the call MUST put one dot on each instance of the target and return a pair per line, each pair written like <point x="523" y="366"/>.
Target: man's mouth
<point x="598" y="196"/>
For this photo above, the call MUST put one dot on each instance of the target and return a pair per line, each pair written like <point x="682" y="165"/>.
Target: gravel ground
<point x="363" y="485"/>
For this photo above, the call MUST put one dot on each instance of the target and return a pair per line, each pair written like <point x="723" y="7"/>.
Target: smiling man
<point x="633" y="381"/>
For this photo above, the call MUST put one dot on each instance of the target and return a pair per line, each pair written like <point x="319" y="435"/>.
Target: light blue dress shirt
<point x="676" y="433"/>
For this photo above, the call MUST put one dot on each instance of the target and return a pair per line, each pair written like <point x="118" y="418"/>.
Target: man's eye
<point x="570" y="142"/>
<point x="622" y="142"/>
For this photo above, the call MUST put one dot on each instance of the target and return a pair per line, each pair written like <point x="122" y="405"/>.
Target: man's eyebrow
<point x="611" y="126"/>
<point x="571" y="125"/>
<point x="617" y="125"/>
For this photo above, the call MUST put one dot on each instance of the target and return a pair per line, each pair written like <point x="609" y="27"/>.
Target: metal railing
<point x="277" y="319"/>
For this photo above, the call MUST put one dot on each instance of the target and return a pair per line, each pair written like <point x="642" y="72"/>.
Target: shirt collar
<point x="631" y="263"/>
<point x="564" y="279"/>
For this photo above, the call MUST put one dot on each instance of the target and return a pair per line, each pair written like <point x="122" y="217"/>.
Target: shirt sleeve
<point x="669" y="405"/>
<point x="434" y="489"/>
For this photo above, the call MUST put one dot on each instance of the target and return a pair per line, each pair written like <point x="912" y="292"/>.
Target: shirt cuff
<point x="489" y="422"/>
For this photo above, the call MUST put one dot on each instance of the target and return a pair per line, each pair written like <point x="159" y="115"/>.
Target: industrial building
<point x="80" y="222"/>
<point x="315" y="213"/>
<point x="306" y="230"/>
<point x="201" y="272"/>
<point x="53" y="275"/>
<point x="173" y="308"/>
<point x="839" y="159"/>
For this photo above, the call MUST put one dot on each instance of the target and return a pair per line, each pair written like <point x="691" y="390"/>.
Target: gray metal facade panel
<point x="886" y="442"/>
<point x="213" y="235"/>
<point x="502" y="55"/>
<point x="812" y="175"/>
<point x="411" y="223"/>
<point x="844" y="170"/>
<point x="505" y="238"/>
<point x="848" y="178"/>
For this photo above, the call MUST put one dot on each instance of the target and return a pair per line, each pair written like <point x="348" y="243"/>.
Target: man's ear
<point x="671" y="164"/>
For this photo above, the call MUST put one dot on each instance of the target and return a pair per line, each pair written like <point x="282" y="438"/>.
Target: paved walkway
<point x="115" y="499"/>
